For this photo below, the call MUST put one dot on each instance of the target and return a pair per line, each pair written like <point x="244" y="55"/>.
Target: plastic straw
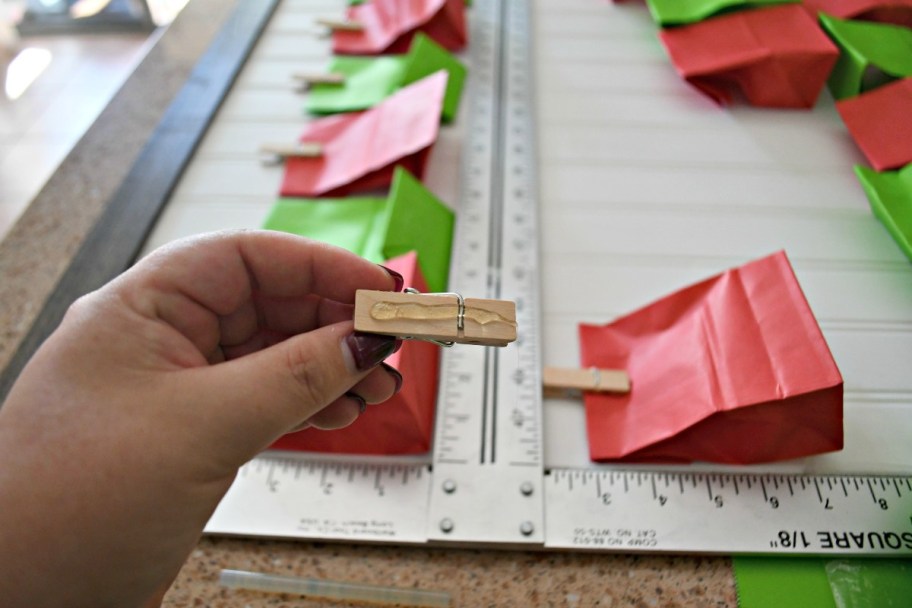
<point x="352" y="592"/>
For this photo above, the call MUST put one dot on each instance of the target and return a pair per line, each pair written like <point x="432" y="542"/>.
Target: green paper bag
<point x="873" y="52"/>
<point x="370" y="80"/>
<point x="417" y="220"/>
<point x="890" y="196"/>
<point x="782" y="582"/>
<point x="679" y="12"/>
<point x="410" y="218"/>
<point x="426" y="57"/>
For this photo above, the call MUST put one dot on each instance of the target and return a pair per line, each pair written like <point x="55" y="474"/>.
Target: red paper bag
<point x="897" y="12"/>
<point x="733" y="369"/>
<point x="361" y="149"/>
<point x="776" y="56"/>
<point x="880" y="121"/>
<point x="401" y="425"/>
<point x="389" y="25"/>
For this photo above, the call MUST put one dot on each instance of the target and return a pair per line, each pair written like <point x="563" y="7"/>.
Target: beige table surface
<point x="37" y="251"/>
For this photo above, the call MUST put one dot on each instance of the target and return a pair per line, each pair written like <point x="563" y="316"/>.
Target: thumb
<point x="251" y="401"/>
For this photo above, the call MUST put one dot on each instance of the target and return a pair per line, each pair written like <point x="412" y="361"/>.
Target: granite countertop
<point x="37" y="251"/>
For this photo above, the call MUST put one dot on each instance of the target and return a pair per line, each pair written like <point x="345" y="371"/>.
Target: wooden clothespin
<point x="341" y="25"/>
<point x="445" y="318"/>
<point x="274" y="153"/>
<point x="559" y="379"/>
<point x="329" y="78"/>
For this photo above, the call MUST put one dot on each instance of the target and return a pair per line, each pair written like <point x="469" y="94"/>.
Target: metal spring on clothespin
<point x="460" y="315"/>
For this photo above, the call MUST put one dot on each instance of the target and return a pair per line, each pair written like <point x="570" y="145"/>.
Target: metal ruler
<point x="487" y="483"/>
<point x="488" y="456"/>
<point x="729" y="513"/>
<point x="586" y="510"/>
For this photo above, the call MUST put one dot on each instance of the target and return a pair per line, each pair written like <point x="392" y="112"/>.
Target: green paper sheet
<point x="679" y="12"/>
<point x="870" y="54"/>
<point x="782" y="582"/>
<point x="369" y="80"/>
<point x="871" y="583"/>
<point x="890" y="196"/>
<point x="410" y="218"/>
<point x="800" y="582"/>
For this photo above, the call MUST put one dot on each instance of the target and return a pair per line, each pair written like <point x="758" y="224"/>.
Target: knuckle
<point x="310" y="379"/>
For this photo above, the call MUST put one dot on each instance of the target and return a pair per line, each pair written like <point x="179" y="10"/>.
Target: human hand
<point x="129" y="424"/>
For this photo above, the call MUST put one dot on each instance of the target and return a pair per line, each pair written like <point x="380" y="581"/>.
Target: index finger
<point x="221" y="270"/>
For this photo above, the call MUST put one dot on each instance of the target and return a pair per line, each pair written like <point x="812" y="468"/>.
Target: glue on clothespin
<point x="276" y="153"/>
<point x="563" y="380"/>
<point x="443" y="318"/>
<point x="341" y="25"/>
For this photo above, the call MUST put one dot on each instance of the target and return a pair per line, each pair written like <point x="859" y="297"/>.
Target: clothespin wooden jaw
<point x="443" y="318"/>
<point x="276" y="153"/>
<point x="562" y="380"/>
<point x="341" y="25"/>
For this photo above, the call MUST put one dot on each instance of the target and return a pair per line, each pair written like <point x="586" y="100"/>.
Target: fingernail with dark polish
<point x="399" y="281"/>
<point x="362" y="404"/>
<point x="397" y="377"/>
<point x="368" y="350"/>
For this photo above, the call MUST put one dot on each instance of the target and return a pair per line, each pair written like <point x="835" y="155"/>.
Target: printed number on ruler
<point x="291" y="496"/>
<point x="729" y="513"/>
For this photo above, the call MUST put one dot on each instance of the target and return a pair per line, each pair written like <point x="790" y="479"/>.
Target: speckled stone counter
<point x="474" y="577"/>
<point x="38" y="250"/>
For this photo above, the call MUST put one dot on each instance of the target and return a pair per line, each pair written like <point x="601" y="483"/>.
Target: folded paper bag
<point x="870" y="54"/>
<point x="360" y="150"/>
<point x="897" y="12"/>
<point x="367" y="82"/>
<point x="370" y="80"/>
<point x="410" y="218"/>
<point x="403" y="424"/>
<point x="389" y="25"/>
<point x="678" y="12"/>
<point x="733" y="369"/>
<point x="776" y="56"/>
<point x="890" y="196"/>
<point x="880" y="122"/>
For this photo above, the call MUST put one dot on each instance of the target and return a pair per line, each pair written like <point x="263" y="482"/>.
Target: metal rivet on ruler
<point x="449" y="486"/>
<point x="526" y="528"/>
<point x="527" y="488"/>
<point x="447" y="525"/>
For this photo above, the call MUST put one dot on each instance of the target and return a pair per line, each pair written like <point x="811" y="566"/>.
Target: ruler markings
<point x="818" y="519"/>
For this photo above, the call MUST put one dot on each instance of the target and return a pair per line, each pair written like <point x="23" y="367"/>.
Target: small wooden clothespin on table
<point x="276" y="153"/>
<point x="341" y="25"/>
<point x="443" y="318"/>
<point x="305" y="81"/>
<point x="558" y="380"/>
